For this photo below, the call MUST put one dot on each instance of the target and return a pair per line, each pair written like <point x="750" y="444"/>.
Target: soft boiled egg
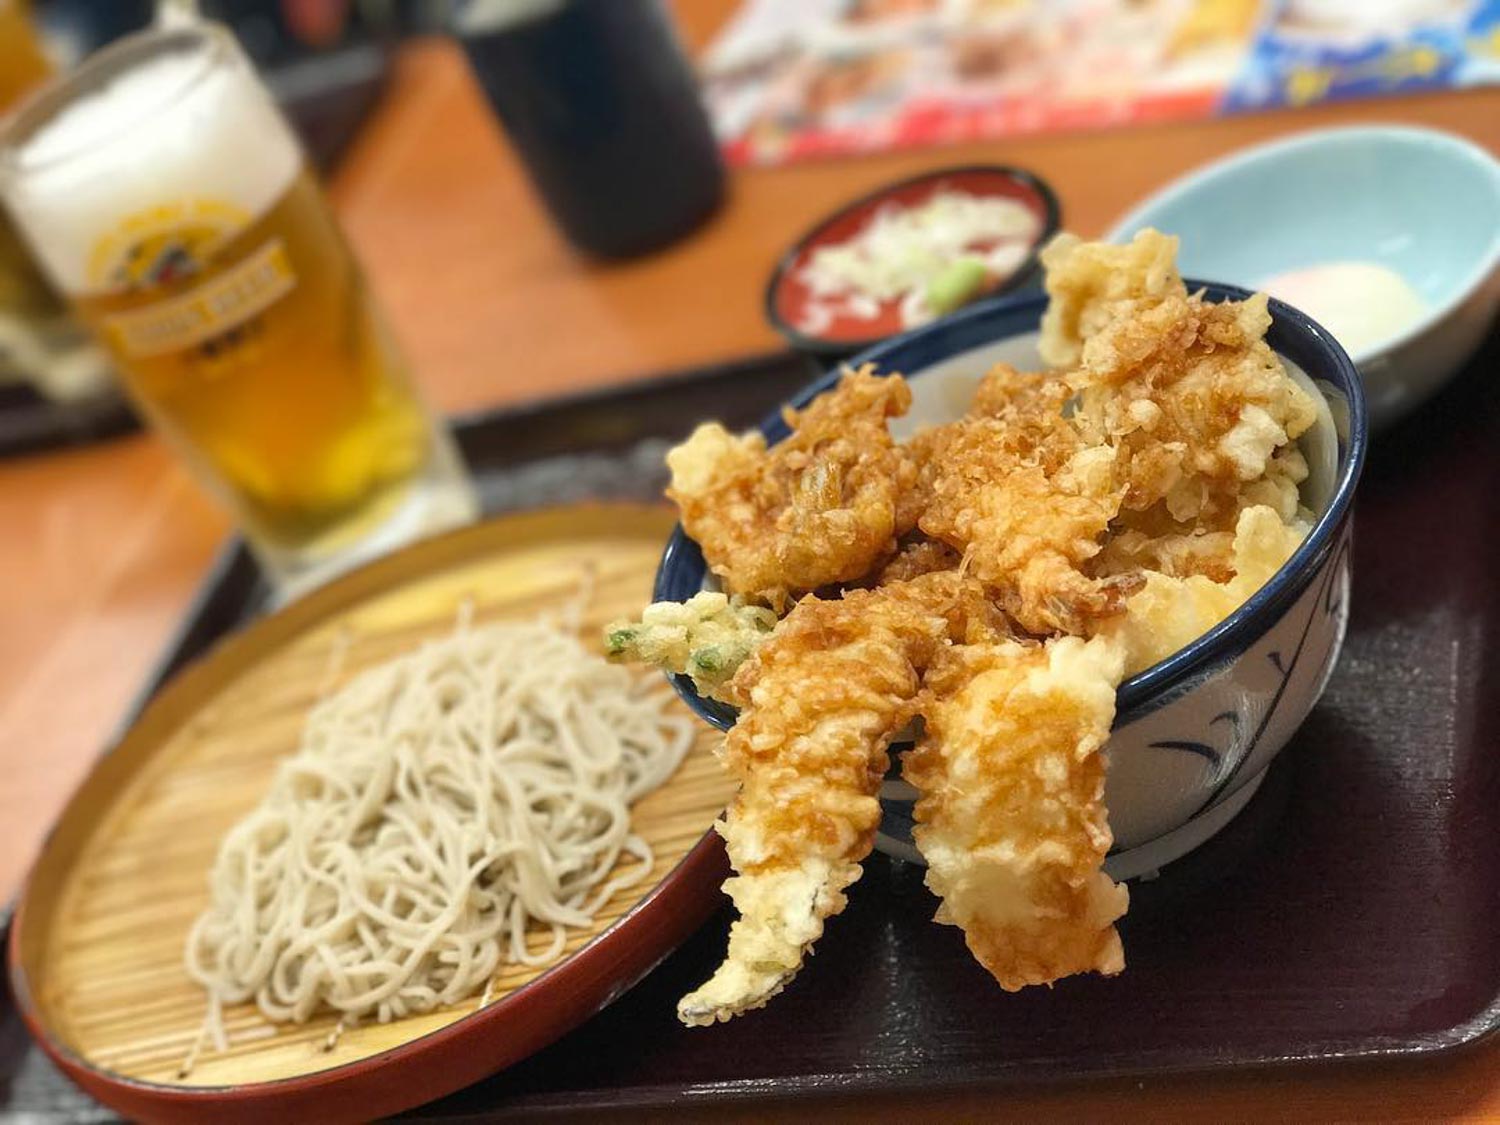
<point x="1363" y="304"/>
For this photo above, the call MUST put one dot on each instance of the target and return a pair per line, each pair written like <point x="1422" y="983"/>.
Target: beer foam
<point x="185" y="127"/>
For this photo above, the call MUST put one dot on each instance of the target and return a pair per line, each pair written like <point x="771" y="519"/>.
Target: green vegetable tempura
<point x="705" y="638"/>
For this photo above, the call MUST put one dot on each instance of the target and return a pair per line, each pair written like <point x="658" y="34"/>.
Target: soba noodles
<point x="441" y="809"/>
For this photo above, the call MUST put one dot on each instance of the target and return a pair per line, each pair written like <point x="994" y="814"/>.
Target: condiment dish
<point x="788" y="297"/>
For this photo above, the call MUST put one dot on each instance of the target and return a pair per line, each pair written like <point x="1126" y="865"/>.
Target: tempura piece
<point x="822" y="507"/>
<point x="1198" y="407"/>
<point x="1091" y="283"/>
<point x="1011" y="817"/>
<point x="1169" y="613"/>
<point x="1027" y="536"/>
<point x="821" y="700"/>
<point x="1028" y="501"/>
<point x="1176" y="554"/>
<point x="1153" y="540"/>
<point x="925" y="556"/>
<point x="705" y="638"/>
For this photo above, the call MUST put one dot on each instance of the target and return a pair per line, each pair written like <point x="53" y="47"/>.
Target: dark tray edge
<point x="733" y="371"/>
<point x="1469" y="1036"/>
<point x="233" y="569"/>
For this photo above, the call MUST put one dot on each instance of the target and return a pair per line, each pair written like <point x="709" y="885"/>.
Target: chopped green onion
<point x="956" y="286"/>
<point x="707" y="660"/>
<point x="619" y="640"/>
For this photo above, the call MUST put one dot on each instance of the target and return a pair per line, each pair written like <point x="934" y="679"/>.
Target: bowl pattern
<point x="1193" y="734"/>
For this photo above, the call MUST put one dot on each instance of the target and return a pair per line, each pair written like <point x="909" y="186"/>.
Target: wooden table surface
<point x="102" y="548"/>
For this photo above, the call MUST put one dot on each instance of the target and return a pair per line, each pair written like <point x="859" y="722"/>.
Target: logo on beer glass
<point x="167" y="246"/>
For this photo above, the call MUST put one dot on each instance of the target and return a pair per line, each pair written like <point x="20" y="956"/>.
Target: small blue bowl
<point x="1421" y="202"/>
<point x="1194" y="734"/>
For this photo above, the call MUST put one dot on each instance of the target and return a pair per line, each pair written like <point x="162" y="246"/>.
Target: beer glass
<point x="165" y="195"/>
<point x="39" y="342"/>
<point x="23" y="64"/>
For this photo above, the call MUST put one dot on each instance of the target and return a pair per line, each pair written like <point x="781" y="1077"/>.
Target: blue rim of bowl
<point x="1293" y="335"/>
<point x="1051" y="221"/>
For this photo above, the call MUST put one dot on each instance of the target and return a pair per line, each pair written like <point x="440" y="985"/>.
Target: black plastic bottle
<point x="604" y="110"/>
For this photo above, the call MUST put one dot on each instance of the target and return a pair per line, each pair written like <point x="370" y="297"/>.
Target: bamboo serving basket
<point x="96" y="957"/>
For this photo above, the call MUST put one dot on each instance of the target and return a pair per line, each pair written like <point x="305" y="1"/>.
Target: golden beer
<point x="23" y="64"/>
<point x="24" y="293"/>
<point x="167" y="198"/>
<point x="270" y="362"/>
<point x="33" y="321"/>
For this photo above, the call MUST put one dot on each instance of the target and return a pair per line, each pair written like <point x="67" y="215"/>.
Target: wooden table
<point x="102" y="548"/>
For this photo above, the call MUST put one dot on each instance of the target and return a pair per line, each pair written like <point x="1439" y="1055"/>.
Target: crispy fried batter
<point x="1153" y="540"/>
<point x="1196" y="404"/>
<point x="1018" y="490"/>
<point x="924" y="556"/>
<point x="972" y="614"/>
<point x="1091" y="283"/>
<point x="820" y="703"/>
<point x="1027" y="400"/>
<point x="705" y="638"/>
<point x="1027" y="535"/>
<point x="1170" y="612"/>
<point x="1176" y="553"/>
<point x="819" y="508"/>
<point x="1027" y="407"/>
<point x="1011" y="817"/>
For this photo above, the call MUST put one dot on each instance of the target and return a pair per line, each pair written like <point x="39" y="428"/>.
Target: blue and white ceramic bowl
<point x="1424" y="203"/>
<point x="1194" y="734"/>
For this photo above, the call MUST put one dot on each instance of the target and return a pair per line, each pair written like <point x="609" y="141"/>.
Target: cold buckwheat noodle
<point x="440" y="808"/>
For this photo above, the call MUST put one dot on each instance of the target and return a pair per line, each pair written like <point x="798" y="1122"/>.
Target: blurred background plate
<point x="96" y="943"/>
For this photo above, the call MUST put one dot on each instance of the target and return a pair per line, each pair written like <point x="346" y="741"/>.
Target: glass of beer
<point x="39" y="342"/>
<point x="164" y="194"/>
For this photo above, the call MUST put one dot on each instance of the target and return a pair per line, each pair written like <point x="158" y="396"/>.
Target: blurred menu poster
<point x="796" y="79"/>
<point x="1316" y="50"/>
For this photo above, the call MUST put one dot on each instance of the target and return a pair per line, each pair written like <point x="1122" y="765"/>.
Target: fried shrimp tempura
<point x="822" y="507"/>
<point x="1011" y="817"/>
<point x="1016" y="488"/>
<point x="821" y="700"/>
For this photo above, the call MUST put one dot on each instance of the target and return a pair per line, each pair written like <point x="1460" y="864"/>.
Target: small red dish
<point x="788" y="296"/>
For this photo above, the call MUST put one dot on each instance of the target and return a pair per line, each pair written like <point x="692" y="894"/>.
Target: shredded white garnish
<point x="903" y="250"/>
